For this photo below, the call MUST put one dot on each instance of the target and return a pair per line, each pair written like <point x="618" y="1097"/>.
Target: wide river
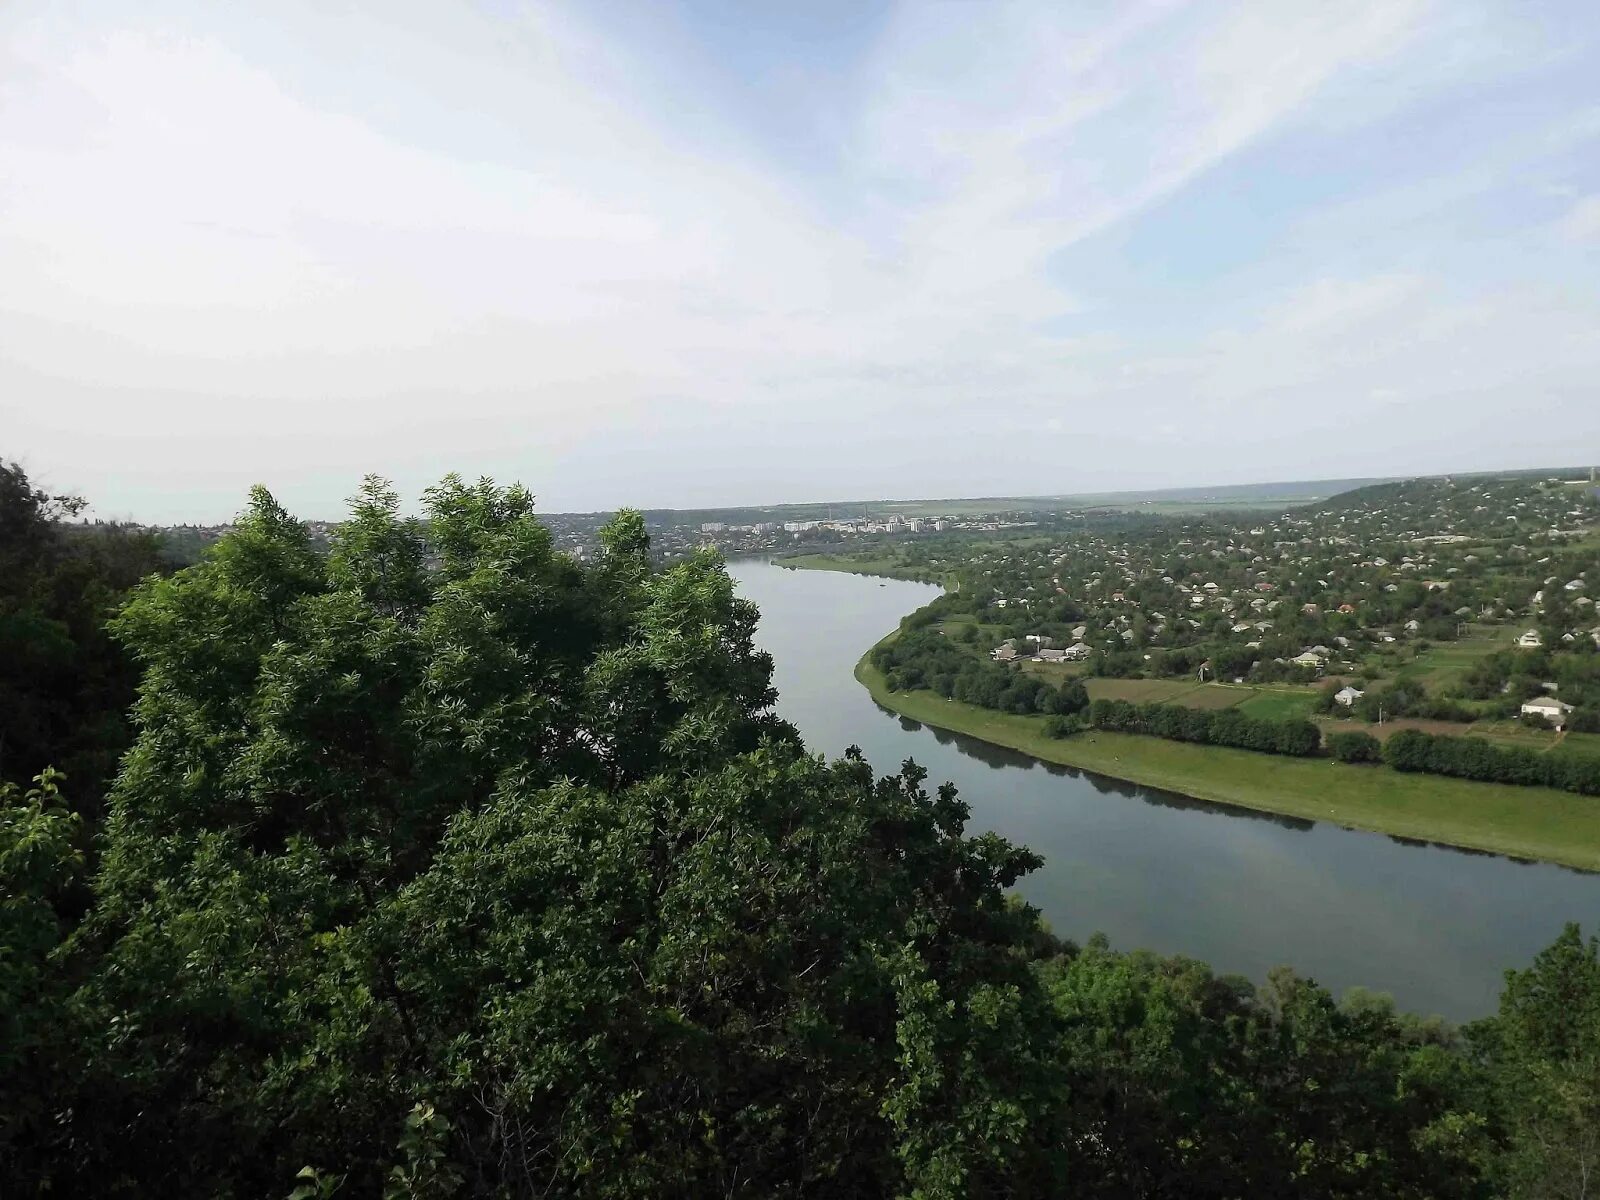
<point x="1245" y="891"/>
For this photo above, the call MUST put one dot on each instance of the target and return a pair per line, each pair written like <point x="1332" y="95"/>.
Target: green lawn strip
<point x="1538" y="823"/>
<point x="1276" y="705"/>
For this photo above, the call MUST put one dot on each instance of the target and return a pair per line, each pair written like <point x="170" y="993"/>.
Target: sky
<point x="699" y="254"/>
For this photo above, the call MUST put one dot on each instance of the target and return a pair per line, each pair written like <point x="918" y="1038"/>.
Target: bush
<point x="1070" y="697"/>
<point x="1062" y="726"/>
<point x="1355" y="747"/>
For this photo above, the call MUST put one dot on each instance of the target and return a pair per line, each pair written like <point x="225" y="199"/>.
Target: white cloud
<point x="452" y="239"/>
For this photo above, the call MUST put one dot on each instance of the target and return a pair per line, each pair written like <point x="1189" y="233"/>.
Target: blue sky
<point x="694" y="254"/>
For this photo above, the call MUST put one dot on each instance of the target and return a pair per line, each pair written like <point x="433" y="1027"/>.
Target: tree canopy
<point x="444" y="864"/>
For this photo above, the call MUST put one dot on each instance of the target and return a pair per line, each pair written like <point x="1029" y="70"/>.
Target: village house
<point x="1346" y="696"/>
<point x="1552" y="710"/>
<point x="1530" y="640"/>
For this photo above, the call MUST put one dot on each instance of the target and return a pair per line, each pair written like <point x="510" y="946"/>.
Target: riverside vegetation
<point x="440" y="864"/>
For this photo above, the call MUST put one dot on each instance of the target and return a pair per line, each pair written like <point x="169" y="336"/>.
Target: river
<point x="1433" y="926"/>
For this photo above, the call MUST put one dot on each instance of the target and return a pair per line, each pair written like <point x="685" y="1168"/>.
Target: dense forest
<point x="437" y="863"/>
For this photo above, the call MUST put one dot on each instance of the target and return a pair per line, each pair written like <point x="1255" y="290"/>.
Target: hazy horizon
<point x="691" y="255"/>
<point x="1180" y="493"/>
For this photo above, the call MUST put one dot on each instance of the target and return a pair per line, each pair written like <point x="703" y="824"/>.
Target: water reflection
<point x="1002" y="757"/>
<point x="1476" y="853"/>
<point x="1191" y="804"/>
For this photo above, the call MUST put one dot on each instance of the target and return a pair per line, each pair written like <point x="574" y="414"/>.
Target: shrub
<point x="1355" y="747"/>
<point x="1062" y="726"/>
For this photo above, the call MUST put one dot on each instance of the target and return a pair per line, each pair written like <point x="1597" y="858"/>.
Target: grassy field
<point x="1280" y="704"/>
<point x="1277" y="703"/>
<point x="1536" y="823"/>
<point x="1502" y="733"/>
<point x="1141" y="691"/>
<point x="1445" y="664"/>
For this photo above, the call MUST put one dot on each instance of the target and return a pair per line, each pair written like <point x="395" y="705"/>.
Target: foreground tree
<point x="1543" y="1053"/>
<point x="448" y="820"/>
<point x="1186" y="1084"/>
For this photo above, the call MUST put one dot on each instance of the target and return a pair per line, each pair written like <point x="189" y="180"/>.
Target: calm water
<point x="1245" y="891"/>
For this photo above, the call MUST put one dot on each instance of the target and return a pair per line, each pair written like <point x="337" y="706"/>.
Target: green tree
<point x="41" y="896"/>
<point x="65" y="686"/>
<point x="1185" y="1084"/>
<point x="448" y="819"/>
<point x="1543" y="1051"/>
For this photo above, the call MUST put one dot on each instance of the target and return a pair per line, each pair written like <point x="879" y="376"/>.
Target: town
<point x="1463" y="601"/>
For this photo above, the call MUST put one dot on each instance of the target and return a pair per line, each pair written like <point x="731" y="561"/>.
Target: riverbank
<point x="883" y="567"/>
<point x="1534" y="823"/>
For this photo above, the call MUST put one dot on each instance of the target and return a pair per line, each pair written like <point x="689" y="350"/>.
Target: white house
<point x="1347" y="696"/>
<point x="1530" y="640"/>
<point x="1552" y="710"/>
<point x="1076" y="653"/>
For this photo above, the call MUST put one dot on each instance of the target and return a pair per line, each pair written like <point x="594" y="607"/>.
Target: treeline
<point x="923" y="658"/>
<point x="1220" y="727"/>
<point x="65" y="683"/>
<point x="1476" y="758"/>
<point x="442" y="865"/>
